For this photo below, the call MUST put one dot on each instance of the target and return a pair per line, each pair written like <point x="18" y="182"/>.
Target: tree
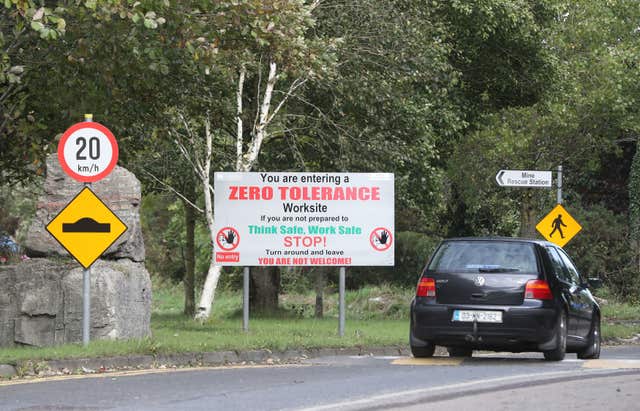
<point x="384" y="108"/>
<point x="587" y="122"/>
<point x="634" y="207"/>
<point x="28" y="28"/>
<point x="584" y="122"/>
<point x="261" y="42"/>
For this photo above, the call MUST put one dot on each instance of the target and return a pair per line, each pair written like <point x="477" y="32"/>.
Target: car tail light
<point x="426" y="287"/>
<point x="538" y="290"/>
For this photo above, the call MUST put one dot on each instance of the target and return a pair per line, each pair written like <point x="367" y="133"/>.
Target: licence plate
<point x="479" y="316"/>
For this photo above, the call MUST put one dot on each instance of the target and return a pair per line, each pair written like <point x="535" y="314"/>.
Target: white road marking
<point x="408" y="394"/>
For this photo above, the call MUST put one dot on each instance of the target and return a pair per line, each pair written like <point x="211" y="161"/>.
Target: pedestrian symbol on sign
<point x="558" y="221"/>
<point x="557" y="225"/>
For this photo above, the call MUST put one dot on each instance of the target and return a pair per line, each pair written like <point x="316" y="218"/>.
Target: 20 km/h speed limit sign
<point x="88" y="151"/>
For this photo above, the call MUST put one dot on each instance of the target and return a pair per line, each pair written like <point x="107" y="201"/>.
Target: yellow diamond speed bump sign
<point x="558" y="226"/>
<point x="86" y="227"/>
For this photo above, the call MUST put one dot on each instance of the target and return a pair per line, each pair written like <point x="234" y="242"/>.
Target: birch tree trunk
<point x="213" y="274"/>
<point x="244" y="163"/>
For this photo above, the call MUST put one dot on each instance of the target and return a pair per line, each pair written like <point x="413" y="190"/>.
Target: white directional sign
<point x="524" y="178"/>
<point x="88" y="151"/>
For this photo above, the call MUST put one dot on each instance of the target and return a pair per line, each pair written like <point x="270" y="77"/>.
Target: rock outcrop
<point x="41" y="297"/>
<point x="120" y="191"/>
<point x="41" y="302"/>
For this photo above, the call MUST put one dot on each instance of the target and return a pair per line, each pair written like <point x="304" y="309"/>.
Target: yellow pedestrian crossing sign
<point x="86" y="227"/>
<point x="558" y="226"/>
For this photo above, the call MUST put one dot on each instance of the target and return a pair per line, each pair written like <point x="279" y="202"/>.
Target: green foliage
<point x="17" y="207"/>
<point x="619" y="311"/>
<point x="496" y="46"/>
<point x="28" y="29"/>
<point x="162" y="224"/>
<point x="585" y="122"/>
<point x="442" y="94"/>
<point x="412" y="252"/>
<point x="634" y="202"/>
<point x="380" y="302"/>
<point x="384" y="106"/>
<point x="163" y="228"/>
<point x="601" y="249"/>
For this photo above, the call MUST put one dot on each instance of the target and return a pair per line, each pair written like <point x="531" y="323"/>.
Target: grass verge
<point x="290" y="328"/>
<point x="376" y="316"/>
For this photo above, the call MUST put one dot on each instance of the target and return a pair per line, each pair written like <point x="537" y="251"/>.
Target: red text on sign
<point x="250" y="193"/>
<point x="305" y="241"/>
<point x="329" y="193"/>
<point x="227" y="257"/>
<point x="305" y="193"/>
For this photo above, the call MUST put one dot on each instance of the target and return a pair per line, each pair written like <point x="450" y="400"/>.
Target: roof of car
<point x="515" y="239"/>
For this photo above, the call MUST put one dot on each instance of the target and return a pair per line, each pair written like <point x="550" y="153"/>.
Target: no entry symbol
<point x="228" y="238"/>
<point x="381" y="239"/>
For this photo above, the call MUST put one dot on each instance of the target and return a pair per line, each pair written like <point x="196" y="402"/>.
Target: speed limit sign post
<point x="88" y="151"/>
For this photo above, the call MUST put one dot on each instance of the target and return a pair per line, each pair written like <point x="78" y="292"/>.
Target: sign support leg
<point x="342" y="302"/>
<point x="86" y="295"/>
<point x="559" y="196"/>
<point x="245" y="300"/>
<point x="86" y="305"/>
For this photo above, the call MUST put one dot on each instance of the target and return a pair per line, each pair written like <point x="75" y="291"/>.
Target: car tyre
<point x="459" y="352"/>
<point x="592" y="350"/>
<point x="558" y="353"/>
<point x="423" y="352"/>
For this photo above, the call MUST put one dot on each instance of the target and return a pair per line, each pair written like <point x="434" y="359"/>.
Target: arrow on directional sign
<point x="523" y="178"/>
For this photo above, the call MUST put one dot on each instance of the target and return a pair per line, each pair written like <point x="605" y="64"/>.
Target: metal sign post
<point x="559" y="196"/>
<point x="342" y="308"/>
<point x="86" y="305"/>
<point x="85" y="227"/>
<point x="86" y="283"/>
<point x="245" y="300"/>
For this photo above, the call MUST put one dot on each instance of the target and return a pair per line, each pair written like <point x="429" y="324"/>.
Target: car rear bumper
<point x="523" y="328"/>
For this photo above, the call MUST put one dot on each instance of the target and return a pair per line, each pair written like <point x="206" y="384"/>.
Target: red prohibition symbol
<point x="381" y="239"/>
<point x="228" y="238"/>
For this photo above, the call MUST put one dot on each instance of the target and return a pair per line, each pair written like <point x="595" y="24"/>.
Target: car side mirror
<point x="594" y="282"/>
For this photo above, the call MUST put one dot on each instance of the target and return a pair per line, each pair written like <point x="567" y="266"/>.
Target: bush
<point x="602" y="249"/>
<point x="412" y="252"/>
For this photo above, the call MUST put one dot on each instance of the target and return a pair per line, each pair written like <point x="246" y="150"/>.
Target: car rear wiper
<point x="498" y="269"/>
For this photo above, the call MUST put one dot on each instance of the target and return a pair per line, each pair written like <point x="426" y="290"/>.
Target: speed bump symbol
<point x="86" y="225"/>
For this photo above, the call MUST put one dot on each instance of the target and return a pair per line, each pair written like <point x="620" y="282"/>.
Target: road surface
<point x="488" y="381"/>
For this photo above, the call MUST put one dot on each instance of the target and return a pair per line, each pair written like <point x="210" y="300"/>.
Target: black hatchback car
<point x="504" y="294"/>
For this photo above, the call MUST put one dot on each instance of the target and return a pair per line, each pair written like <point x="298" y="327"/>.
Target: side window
<point x="558" y="266"/>
<point x="573" y="272"/>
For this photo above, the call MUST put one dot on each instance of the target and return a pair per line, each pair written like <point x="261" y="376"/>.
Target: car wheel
<point x="459" y="352"/>
<point x="592" y="350"/>
<point x="557" y="354"/>
<point x="423" y="352"/>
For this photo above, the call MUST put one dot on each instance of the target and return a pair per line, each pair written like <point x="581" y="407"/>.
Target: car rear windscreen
<point x="485" y="256"/>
